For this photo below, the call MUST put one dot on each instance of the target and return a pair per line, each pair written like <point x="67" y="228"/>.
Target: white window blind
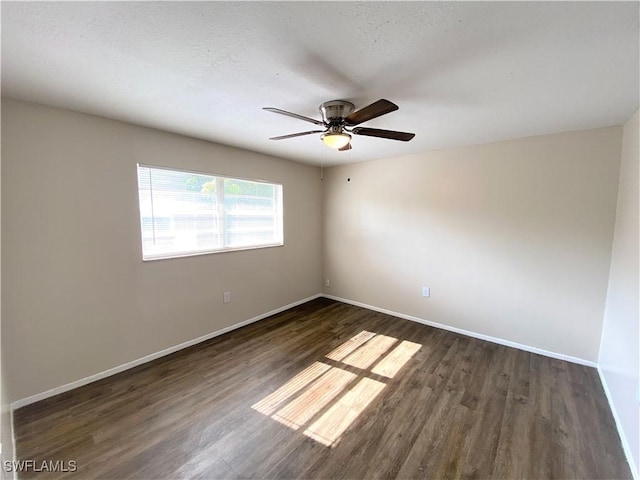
<point x="186" y="213"/>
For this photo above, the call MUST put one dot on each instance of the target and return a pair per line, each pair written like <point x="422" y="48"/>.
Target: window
<point x="187" y="213"/>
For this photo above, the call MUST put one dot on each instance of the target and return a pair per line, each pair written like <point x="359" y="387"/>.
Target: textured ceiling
<point x="462" y="73"/>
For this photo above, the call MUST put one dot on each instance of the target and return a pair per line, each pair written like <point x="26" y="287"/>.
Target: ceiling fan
<point x="337" y="118"/>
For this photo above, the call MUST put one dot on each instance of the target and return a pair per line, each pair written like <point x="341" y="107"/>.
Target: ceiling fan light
<point x="336" y="140"/>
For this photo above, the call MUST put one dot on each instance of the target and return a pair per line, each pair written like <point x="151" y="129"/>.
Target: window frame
<point x="279" y="199"/>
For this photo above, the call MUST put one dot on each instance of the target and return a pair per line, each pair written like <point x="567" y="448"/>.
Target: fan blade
<point x="294" y="115"/>
<point x="345" y="148"/>
<point x="376" y="109"/>
<point x="292" y="135"/>
<point x="376" y="132"/>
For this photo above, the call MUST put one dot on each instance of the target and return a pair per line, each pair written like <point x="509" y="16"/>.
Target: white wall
<point x="5" y="426"/>
<point x="77" y="298"/>
<point x="6" y="431"/>
<point x="513" y="238"/>
<point x="619" y="351"/>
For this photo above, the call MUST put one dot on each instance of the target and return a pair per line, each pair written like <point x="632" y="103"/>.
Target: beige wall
<point x="77" y="299"/>
<point x="620" y="349"/>
<point x="513" y="238"/>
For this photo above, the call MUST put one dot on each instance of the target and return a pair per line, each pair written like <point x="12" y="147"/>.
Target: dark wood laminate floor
<point x="327" y="390"/>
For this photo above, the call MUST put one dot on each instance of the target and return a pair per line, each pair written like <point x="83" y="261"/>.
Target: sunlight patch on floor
<point x="390" y="365"/>
<point x="270" y="403"/>
<point x="325" y="400"/>
<point x="348" y="347"/>
<point x="332" y="424"/>
<point x="368" y="354"/>
<point x="319" y="394"/>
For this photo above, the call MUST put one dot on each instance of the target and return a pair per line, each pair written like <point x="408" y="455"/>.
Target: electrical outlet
<point x="327" y="282"/>
<point x="226" y="297"/>
<point x="426" y="292"/>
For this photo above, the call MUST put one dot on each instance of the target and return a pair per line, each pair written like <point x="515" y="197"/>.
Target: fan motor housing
<point x="334" y="111"/>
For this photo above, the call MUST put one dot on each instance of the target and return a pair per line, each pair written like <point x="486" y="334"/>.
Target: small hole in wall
<point x="348" y="179"/>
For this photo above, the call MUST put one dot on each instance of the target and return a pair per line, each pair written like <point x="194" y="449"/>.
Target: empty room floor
<point x="328" y="390"/>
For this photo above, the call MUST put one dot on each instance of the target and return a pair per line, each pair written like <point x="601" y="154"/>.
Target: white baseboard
<point x="148" y="358"/>
<point x="112" y="371"/>
<point x="468" y="333"/>
<point x="623" y="438"/>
